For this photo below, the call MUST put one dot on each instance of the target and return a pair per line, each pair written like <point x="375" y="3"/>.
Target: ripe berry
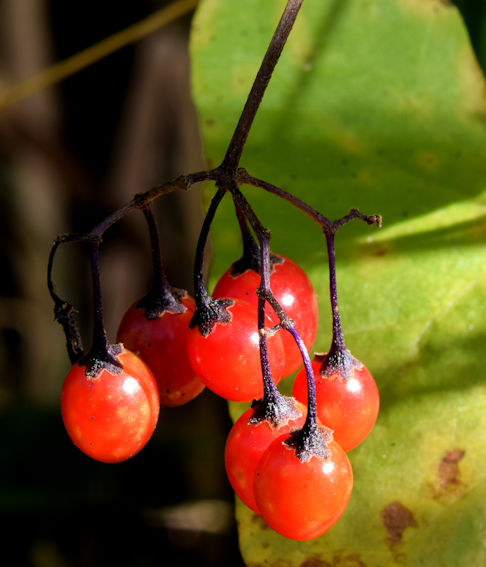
<point x="161" y="344"/>
<point x="349" y="406"/>
<point x="227" y="360"/>
<point x="292" y="289"/>
<point x="111" y="416"/>
<point x="246" y="444"/>
<point x="302" y="500"/>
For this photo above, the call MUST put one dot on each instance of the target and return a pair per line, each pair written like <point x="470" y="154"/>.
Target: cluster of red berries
<point x="286" y="456"/>
<point x="110" y="411"/>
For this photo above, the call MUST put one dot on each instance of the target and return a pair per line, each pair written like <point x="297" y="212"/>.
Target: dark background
<point x="69" y="155"/>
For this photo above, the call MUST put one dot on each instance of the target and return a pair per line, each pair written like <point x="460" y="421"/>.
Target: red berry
<point x="348" y="406"/>
<point x="302" y="500"/>
<point x="292" y="289"/>
<point x="228" y="359"/>
<point x="161" y="344"/>
<point x="112" y="416"/>
<point x="245" y="446"/>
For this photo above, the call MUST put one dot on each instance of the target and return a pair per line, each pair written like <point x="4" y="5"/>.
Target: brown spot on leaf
<point x="313" y="562"/>
<point x="448" y="469"/>
<point x="349" y="560"/>
<point x="380" y="252"/>
<point x="396" y="519"/>
<point x="260" y="522"/>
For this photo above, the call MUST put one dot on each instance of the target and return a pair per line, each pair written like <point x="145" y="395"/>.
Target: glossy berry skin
<point x="349" y="407"/>
<point x="161" y="344"/>
<point x="111" y="417"/>
<point x="227" y="360"/>
<point x="295" y="293"/>
<point x="302" y="500"/>
<point x="245" y="446"/>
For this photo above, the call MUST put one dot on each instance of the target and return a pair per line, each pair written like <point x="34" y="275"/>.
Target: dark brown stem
<point x="263" y="236"/>
<point x="337" y="333"/>
<point x="270" y="390"/>
<point x="272" y="55"/>
<point x="64" y="314"/>
<point x="209" y="311"/>
<point x="162" y="297"/>
<point x="250" y="258"/>
<point x="143" y="200"/>
<point x="338" y="359"/>
<point x="101" y="354"/>
<point x="245" y="178"/>
<point x="273" y="408"/>
<point x="328" y="226"/>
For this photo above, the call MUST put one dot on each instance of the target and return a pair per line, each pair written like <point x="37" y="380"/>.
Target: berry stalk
<point x="64" y="313"/>
<point x="338" y="359"/>
<point x="101" y="354"/>
<point x="162" y="296"/>
<point x="209" y="311"/>
<point x="274" y="407"/>
<point x="271" y="393"/>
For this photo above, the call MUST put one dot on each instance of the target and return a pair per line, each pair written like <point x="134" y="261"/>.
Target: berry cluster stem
<point x="160" y="279"/>
<point x="100" y="355"/>
<point x="337" y="334"/>
<point x="200" y="290"/>
<point x="162" y="296"/>
<point x="64" y="313"/>
<point x="260" y="84"/>
<point x="338" y="359"/>
<point x="209" y="311"/>
<point x="270" y="390"/>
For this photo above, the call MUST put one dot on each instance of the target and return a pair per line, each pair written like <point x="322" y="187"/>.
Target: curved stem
<point x="272" y="55"/>
<point x="245" y="178"/>
<point x="142" y="200"/>
<point x="263" y="235"/>
<point x="328" y="226"/>
<point x="200" y="290"/>
<point x="162" y="296"/>
<point x="64" y="314"/>
<point x="208" y="311"/>
<point x="50" y="263"/>
<point x="311" y="420"/>
<point x="246" y="209"/>
<point x="273" y="407"/>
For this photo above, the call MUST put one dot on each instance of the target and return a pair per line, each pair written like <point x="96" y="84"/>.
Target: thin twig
<point x="270" y="60"/>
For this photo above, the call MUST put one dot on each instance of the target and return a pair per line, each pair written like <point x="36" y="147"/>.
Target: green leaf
<point x="379" y="105"/>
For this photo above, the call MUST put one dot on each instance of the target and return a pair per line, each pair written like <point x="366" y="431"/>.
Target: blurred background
<point x="70" y="155"/>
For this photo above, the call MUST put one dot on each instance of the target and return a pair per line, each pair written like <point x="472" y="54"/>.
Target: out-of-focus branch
<point x="83" y="59"/>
